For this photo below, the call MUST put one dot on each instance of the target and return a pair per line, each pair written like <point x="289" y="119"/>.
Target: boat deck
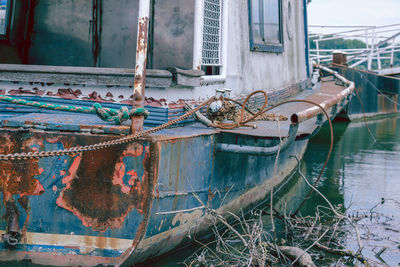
<point x="273" y="129"/>
<point x="67" y="122"/>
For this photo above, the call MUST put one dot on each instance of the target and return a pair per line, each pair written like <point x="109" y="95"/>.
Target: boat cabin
<point x="86" y="49"/>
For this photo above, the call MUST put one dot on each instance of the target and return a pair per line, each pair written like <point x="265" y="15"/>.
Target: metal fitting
<point x="227" y="92"/>
<point x="13" y="235"/>
<point x="219" y="93"/>
<point x="216" y="106"/>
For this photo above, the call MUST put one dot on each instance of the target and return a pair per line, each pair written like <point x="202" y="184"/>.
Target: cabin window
<point x="4" y="15"/>
<point x="211" y="48"/>
<point x="265" y="19"/>
<point x="90" y="34"/>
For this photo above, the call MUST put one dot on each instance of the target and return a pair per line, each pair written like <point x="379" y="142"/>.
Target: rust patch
<point x="21" y="91"/>
<point x="68" y="93"/>
<point x="94" y="96"/>
<point x="17" y="178"/>
<point x="211" y="196"/>
<point x="96" y="193"/>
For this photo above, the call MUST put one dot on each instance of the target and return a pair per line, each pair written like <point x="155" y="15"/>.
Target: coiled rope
<point x="106" y="114"/>
<point x="241" y="121"/>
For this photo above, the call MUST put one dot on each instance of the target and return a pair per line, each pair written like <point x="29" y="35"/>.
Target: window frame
<point x="272" y="48"/>
<point x="6" y="34"/>
<point x="219" y="76"/>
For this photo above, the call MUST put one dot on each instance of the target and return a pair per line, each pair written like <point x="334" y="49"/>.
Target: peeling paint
<point x="97" y="194"/>
<point x="18" y="178"/>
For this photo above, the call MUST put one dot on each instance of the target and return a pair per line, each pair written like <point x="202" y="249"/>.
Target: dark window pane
<point x="3" y="16"/>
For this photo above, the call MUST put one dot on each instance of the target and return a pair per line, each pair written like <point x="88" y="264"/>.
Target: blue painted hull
<point x="379" y="94"/>
<point x="120" y="204"/>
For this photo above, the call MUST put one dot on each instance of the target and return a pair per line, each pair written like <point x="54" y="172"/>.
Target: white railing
<point x="381" y="43"/>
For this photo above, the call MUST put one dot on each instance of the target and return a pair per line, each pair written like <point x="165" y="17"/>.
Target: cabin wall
<point x="248" y="70"/>
<point x="62" y="33"/>
<point x="276" y="73"/>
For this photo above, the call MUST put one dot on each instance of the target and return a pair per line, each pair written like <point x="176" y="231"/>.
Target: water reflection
<point x="360" y="173"/>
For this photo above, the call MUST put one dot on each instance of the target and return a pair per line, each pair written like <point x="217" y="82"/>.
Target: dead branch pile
<point x="298" y="241"/>
<point x="250" y="245"/>
<point x="293" y="240"/>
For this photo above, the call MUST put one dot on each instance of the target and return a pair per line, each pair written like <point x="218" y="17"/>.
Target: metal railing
<point x="382" y="44"/>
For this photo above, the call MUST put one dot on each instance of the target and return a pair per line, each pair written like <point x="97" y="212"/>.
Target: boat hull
<point x="130" y="202"/>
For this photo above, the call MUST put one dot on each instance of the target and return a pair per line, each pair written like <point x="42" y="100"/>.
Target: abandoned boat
<point x="81" y="189"/>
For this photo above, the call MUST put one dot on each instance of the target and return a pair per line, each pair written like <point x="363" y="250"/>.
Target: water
<point x="359" y="175"/>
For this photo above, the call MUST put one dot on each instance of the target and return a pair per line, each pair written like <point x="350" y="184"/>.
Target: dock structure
<point x="374" y="65"/>
<point x="382" y="46"/>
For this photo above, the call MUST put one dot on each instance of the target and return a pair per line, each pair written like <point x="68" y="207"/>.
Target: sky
<point x="354" y="12"/>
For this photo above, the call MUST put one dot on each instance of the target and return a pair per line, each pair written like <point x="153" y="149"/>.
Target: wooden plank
<point x="81" y="75"/>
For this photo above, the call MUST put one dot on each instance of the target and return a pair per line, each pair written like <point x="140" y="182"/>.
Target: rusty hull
<point x="101" y="196"/>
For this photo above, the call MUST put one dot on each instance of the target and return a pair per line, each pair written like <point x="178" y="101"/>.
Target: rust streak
<point x="19" y="178"/>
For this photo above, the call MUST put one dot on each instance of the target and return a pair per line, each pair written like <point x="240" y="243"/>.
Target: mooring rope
<point x="102" y="145"/>
<point x="106" y="114"/>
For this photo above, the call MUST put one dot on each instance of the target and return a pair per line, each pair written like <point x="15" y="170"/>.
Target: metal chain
<point x="102" y="145"/>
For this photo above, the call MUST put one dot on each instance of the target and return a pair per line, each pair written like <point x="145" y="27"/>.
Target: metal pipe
<point x="361" y="28"/>
<point x="141" y="60"/>
<point x="392" y="54"/>
<point x="313" y="111"/>
<point x="369" y="64"/>
<point x="306" y="38"/>
<point x="261" y="151"/>
<point x="203" y="119"/>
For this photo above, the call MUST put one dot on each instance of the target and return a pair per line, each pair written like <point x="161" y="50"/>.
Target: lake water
<point x="359" y="175"/>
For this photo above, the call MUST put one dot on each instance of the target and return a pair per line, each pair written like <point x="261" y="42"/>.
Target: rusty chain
<point x="102" y="145"/>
